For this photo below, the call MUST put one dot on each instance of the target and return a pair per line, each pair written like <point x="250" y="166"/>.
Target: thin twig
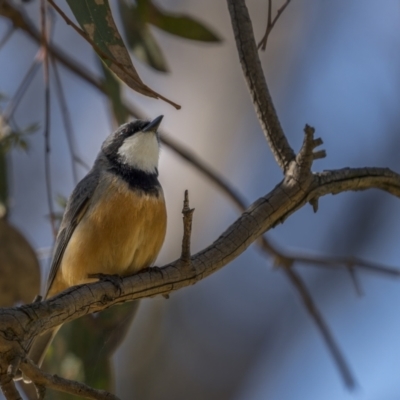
<point x="23" y="86"/>
<point x="322" y="326"/>
<point x="7" y="36"/>
<point x="187" y="229"/>
<point x="355" y="280"/>
<point x="20" y="20"/>
<point x="287" y="264"/>
<point x="43" y="13"/>
<point x="271" y="24"/>
<point x="257" y="85"/>
<point x="300" y="171"/>
<point x="82" y="163"/>
<point x="66" y="117"/>
<point x="199" y="165"/>
<point x="346" y="262"/>
<point x="63" y="385"/>
<point x="305" y="157"/>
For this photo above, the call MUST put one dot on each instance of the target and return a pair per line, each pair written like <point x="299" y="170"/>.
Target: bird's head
<point x="135" y="145"/>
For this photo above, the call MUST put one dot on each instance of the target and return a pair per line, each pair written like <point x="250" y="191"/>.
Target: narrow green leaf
<point x="177" y="24"/>
<point x="140" y="39"/>
<point x="95" y="18"/>
<point x="113" y="88"/>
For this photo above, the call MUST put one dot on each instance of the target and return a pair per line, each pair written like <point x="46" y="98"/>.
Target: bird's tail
<point x="41" y="344"/>
<point x="38" y="350"/>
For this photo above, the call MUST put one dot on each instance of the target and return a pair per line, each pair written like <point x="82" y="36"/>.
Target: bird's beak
<point x="153" y="125"/>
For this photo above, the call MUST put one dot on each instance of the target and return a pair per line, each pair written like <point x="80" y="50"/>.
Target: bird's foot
<point x="115" y="279"/>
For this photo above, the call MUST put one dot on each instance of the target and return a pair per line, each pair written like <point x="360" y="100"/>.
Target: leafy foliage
<point x="97" y="21"/>
<point x="176" y="24"/>
<point x="136" y="19"/>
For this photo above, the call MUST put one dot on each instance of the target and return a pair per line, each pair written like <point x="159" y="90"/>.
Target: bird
<point x="115" y="219"/>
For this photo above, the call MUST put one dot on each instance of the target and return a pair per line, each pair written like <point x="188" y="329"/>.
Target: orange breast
<point x="121" y="233"/>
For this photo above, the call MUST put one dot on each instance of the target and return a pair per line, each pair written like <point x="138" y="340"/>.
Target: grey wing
<point x="75" y="210"/>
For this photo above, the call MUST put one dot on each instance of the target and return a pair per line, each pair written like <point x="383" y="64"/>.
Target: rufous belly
<point x="121" y="234"/>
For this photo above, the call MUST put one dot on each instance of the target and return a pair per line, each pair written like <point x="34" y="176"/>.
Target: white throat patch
<point x="141" y="151"/>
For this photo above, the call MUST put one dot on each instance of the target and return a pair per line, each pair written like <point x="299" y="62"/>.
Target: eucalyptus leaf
<point x="176" y="24"/>
<point x="140" y="39"/>
<point x="95" y="18"/>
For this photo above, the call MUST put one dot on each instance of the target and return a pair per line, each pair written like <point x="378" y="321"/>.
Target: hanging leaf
<point x="177" y="24"/>
<point x="140" y="39"/>
<point x="96" y="20"/>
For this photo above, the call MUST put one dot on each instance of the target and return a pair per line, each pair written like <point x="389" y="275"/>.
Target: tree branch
<point x="257" y="84"/>
<point x="323" y="327"/>
<point x="271" y="23"/>
<point x="46" y="128"/>
<point x="43" y="379"/>
<point x="187" y="229"/>
<point x="347" y="262"/>
<point x="20" y="324"/>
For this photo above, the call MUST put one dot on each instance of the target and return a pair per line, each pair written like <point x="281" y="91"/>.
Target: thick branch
<point x="341" y="180"/>
<point x="22" y="323"/>
<point x="257" y="84"/>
